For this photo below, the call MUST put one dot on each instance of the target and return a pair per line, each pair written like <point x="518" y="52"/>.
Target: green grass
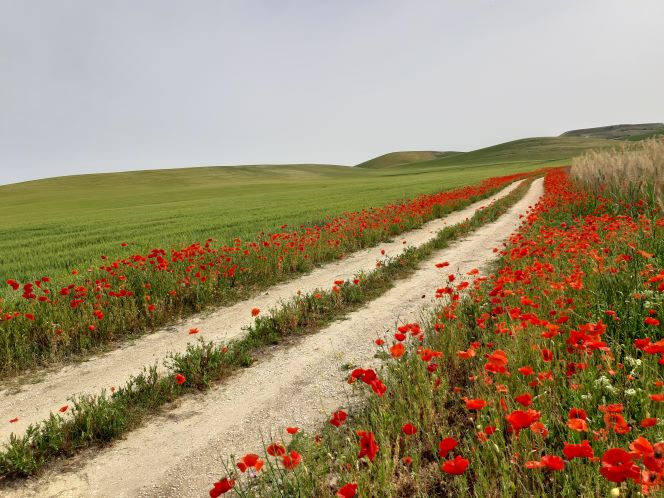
<point x="50" y="226"/>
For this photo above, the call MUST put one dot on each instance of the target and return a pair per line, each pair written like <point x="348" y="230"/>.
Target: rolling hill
<point x="619" y="132"/>
<point x="404" y="157"/>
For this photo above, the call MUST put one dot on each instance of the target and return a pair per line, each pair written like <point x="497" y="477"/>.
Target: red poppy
<point x="63" y="408"/>
<point x="496" y="362"/>
<point x="524" y="399"/>
<point x="250" y="460"/>
<point x="617" y="465"/>
<point x="276" y="449"/>
<point x="526" y="371"/>
<point x="193" y="331"/>
<point x="651" y="321"/>
<point x="475" y="404"/>
<point x="347" y="490"/>
<point x="648" y="422"/>
<point x="292" y="430"/>
<point x="255" y="311"/>
<point x="291" y="460"/>
<point x="447" y="445"/>
<point x="407" y="460"/>
<point x="583" y="450"/>
<point x="657" y="397"/>
<point x="519" y="419"/>
<point x="338" y="418"/>
<point x="455" y="467"/>
<point x="221" y="487"/>
<point x="368" y="446"/>
<point x="409" y="429"/>
<point x="398" y="350"/>
<point x="180" y="379"/>
<point x="13" y="420"/>
<point x="550" y="462"/>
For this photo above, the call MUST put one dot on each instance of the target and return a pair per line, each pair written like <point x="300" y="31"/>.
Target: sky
<point x="99" y="86"/>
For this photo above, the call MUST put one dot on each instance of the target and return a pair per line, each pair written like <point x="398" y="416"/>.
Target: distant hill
<point x="404" y="157"/>
<point x="526" y="150"/>
<point x="630" y="132"/>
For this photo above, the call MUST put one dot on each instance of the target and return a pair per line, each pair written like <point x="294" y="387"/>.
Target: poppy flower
<point x="550" y="462"/>
<point x="496" y="362"/>
<point x="455" y="467"/>
<point x="651" y="321"/>
<point x="526" y="371"/>
<point x="180" y="379"/>
<point x="291" y="460"/>
<point x="368" y="446"/>
<point x="524" y="399"/>
<point x="583" y="450"/>
<point x="648" y="422"/>
<point x="63" y="408"/>
<point x="292" y="430"/>
<point x="250" y="460"/>
<point x="657" y="397"/>
<point x="447" y="445"/>
<point x="409" y="429"/>
<point x="520" y="419"/>
<point x="547" y="355"/>
<point x="407" y="460"/>
<point x="617" y="465"/>
<point x="221" y="487"/>
<point x="397" y="350"/>
<point x="276" y="449"/>
<point x="255" y="311"/>
<point x="13" y="420"/>
<point x="475" y="404"/>
<point x="347" y="490"/>
<point x="338" y="418"/>
<point x="193" y="331"/>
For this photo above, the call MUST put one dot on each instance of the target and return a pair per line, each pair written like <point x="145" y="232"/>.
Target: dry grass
<point x="635" y="171"/>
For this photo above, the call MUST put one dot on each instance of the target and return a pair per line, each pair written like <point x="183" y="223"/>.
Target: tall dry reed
<point x="635" y="171"/>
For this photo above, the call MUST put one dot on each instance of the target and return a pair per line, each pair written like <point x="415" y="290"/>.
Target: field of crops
<point x="52" y="226"/>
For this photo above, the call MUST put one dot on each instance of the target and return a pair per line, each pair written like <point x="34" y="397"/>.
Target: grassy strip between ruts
<point x="97" y="420"/>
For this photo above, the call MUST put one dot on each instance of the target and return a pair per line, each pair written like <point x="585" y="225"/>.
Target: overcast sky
<point x="97" y="86"/>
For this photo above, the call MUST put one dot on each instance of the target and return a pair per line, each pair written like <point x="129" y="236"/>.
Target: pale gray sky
<point x="92" y="85"/>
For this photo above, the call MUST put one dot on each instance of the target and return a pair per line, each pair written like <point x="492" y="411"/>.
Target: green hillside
<point x="630" y="132"/>
<point x="528" y="150"/>
<point x="397" y="158"/>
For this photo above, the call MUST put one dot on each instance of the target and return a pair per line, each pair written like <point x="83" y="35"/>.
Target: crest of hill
<point x="527" y="150"/>
<point x="404" y="157"/>
<point x="631" y="132"/>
